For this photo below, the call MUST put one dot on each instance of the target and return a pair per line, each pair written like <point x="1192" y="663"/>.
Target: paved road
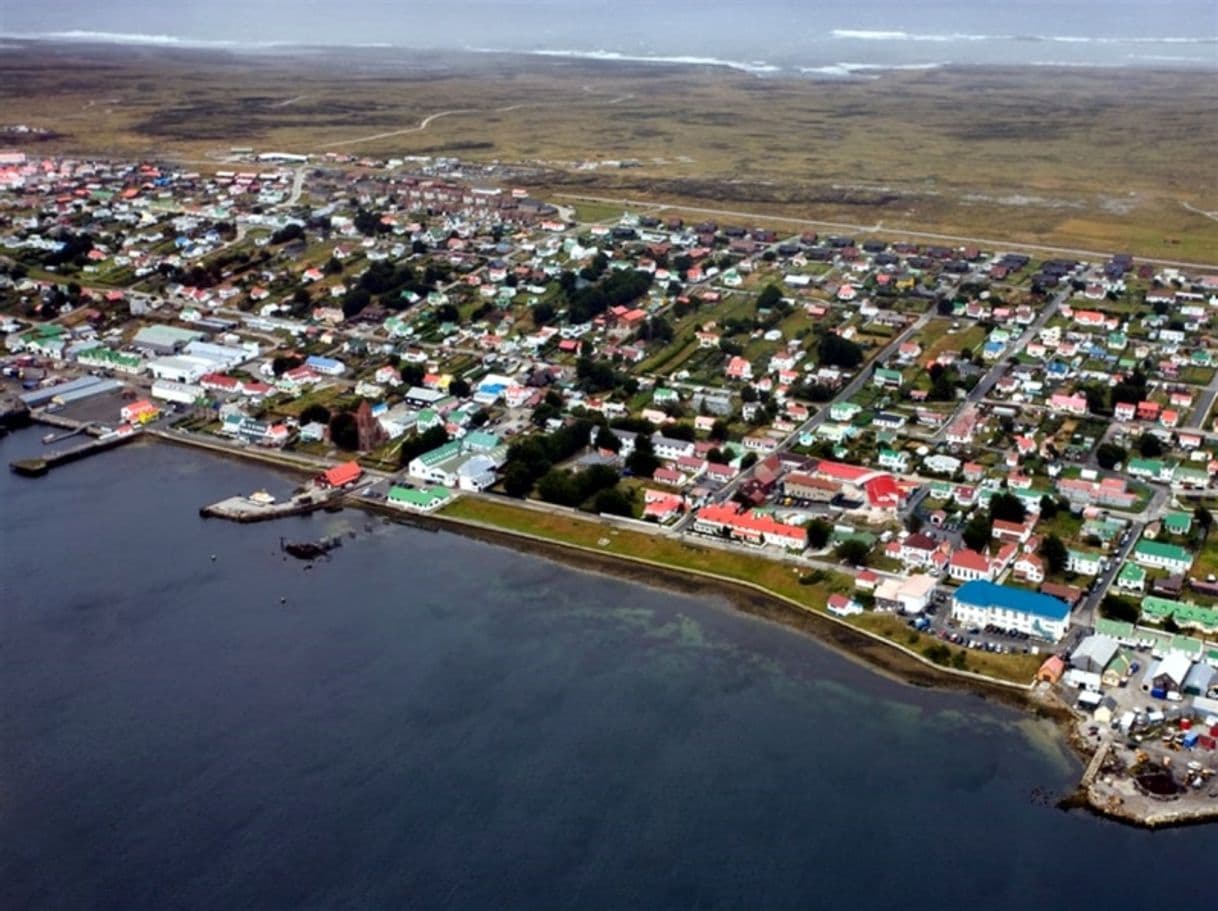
<point x="765" y="217"/>
<point x="991" y="378"/>
<point x="1205" y="401"/>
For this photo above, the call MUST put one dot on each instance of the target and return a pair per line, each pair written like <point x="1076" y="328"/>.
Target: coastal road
<point x="992" y="243"/>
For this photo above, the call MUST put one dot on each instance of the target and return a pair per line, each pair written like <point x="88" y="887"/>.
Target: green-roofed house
<point x="1120" y="630"/>
<point x="1187" y="476"/>
<point x="109" y="359"/>
<point x="423" y="499"/>
<point x="844" y="411"/>
<point x="888" y="379"/>
<point x="480" y="441"/>
<point x="1196" y="617"/>
<point x="428" y="418"/>
<point x="1131" y="577"/>
<point x="47" y="340"/>
<point x="1084" y="562"/>
<point x="1156" y="609"/>
<point x="1159" y="555"/>
<point x="1178" y="523"/>
<point x="1151" y="469"/>
<point x="1104" y="529"/>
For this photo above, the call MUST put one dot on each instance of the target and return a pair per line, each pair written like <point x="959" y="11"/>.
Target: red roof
<point x="342" y="474"/>
<point x="883" y="491"/>
<point x="967" y="558"/>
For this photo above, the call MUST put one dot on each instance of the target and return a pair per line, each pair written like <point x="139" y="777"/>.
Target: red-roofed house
<point x="966" y="565"/>
<point x="342" y="474"/>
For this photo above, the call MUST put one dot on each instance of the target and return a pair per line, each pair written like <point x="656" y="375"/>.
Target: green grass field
<point x="1080" y="158"/>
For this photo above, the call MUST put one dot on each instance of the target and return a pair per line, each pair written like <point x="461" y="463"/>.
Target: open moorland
<point x="1083" y="158"/>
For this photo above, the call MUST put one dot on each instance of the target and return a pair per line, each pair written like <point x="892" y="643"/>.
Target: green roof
<point x="1178" y="522"/>
<point x="441" y="453"/>
<point x="1131" y="572"/>
<point x="1148" y="466"/>
<point x="1163" y="551"/>
<point x="479" y="441"/>
<point x="111" y="356"/>
<point x="1117" y="629"/>
<point x="421" y="498"/>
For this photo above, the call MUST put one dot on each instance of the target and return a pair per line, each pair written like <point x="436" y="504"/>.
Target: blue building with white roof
<point x="978" y="603"/>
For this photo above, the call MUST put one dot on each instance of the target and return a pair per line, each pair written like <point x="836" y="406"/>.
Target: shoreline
<point x="861" y="647"/>
<point x="871" y="650"/>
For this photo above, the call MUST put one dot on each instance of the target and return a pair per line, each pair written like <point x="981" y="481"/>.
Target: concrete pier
<point x="35" y="468"/>
<point x="244" y="509"/>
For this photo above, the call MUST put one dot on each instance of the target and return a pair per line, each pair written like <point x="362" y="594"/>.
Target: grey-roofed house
<point x="1199" y="680"/>
<point x="1094" y="653"/>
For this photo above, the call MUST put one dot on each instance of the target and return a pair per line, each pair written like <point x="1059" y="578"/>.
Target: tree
<point x="719" y="430"/>
<point x="1048" y="507"/>
<point x="315" y="414"/>
<point x="976" y="532"/>
<point x="642" y="462"/>
<point x="432" y="438"/>
<point x="614" y="502"/>
<point x="1150" y="446"/>
<point x="344" y="432"/>
<point x="769" y="297"/>
<point x="459" y="387"/>
<point x="1204" y="518"/>
<point x="1055" y="554"/>
<point x="913" y="523"/>
<point x="608" y="440"/>
<point x="1109" y="456"/>
<point x="517" y="480"/>
<point x="749" y="460"/>
<point x="1114" y="607"/>
<point x="835" y="351"/>
<point x="282" y="363"/>
<point x="1008" y="507"/>
<point x="853" y="551"/>
<point x="818" y="533"/>
<point x="289" y="232"/>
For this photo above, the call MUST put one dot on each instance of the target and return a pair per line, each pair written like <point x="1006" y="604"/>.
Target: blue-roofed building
<point x="978" y="603"/>
<point x="327" y="365"/>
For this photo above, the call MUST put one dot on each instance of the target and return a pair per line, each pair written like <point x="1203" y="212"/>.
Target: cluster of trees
<point x="289" y="232"/>
<point x="618" y="289"/>
<point x="388" y="281"/>
<point x="574" y="488"/>
<point x="600" y="376"/>
<point x="530" y="459"/>
<point x="977" y="532"/>
<point x="369" y="223"/>
<point x="834" y="351"/>
<point x="74" y="250"/>
<point x="432" y="438"/>
<point x="942" y="384"/>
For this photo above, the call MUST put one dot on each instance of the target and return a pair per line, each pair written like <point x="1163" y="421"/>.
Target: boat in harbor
<point x="48" y="437"/>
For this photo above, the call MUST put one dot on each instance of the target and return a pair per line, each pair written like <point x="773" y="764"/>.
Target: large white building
<point x="978" y="603"/>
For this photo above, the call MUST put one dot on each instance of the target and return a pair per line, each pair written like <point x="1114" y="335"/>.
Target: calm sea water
<point x="431" y="722"/>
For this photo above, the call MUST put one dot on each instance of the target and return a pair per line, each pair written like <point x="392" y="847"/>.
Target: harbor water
<point x="188" y="719"/>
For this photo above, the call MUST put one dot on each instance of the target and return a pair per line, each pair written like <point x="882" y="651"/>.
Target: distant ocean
<point x="782" y="37"/>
